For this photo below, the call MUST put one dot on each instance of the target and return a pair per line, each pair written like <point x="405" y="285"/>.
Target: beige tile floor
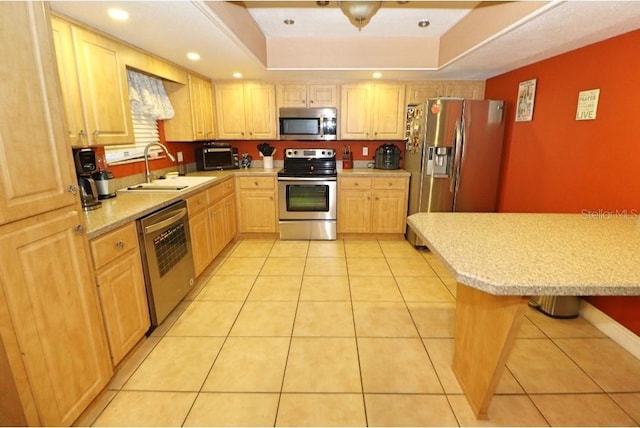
<point x="353" y="333"/>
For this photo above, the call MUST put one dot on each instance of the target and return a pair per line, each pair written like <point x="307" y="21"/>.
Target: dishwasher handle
<point x="182" y="212"/>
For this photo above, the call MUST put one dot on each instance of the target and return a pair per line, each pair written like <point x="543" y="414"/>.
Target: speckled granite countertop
<point x="129" y="206"/>
<point x="374" y="172"/>
<point x="537" y="254"/>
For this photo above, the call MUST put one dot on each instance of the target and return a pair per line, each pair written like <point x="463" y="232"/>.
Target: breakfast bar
<point x="500" y="259"/>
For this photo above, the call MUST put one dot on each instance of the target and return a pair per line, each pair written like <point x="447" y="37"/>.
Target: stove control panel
<point x="309" y="153"/>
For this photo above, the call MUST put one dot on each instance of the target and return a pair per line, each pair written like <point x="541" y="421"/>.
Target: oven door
<point x="307" y="198"/>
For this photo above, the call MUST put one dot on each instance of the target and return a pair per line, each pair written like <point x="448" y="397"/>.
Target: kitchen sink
<point x="171" y="184"/>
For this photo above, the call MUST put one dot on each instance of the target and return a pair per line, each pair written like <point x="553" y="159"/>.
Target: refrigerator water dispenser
<point x="439" y="161"/>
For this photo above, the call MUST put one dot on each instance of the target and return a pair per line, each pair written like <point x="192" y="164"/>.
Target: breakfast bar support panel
<point x="486" y="326"/>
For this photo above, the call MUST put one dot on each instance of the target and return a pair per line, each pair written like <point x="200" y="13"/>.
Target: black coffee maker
<point x="85" y="161"/>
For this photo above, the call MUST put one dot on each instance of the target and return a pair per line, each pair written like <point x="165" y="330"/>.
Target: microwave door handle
<point x="322" y="125"/>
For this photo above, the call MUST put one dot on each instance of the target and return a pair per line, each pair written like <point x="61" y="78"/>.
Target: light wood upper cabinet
<point x="420" y="92"/>
<point x="473" y="89"/>
<point x="65" y="54"/>
<point x="193" y="105"/>
<point x="307" y="95"/>
<point x="201" y="108"/>
<point x="103" y="88"/>
<point x="121" y="288"/>
<point x="37" y="173"/>
<point x="372" y="111"/>
<point x="246" y="111"/>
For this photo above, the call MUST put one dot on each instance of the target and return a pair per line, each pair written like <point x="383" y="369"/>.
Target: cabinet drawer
<point x="112" y="245"/>
<point x="215" y="193"/>
<point x="390" y="183"/>
<point x="228" y="186"/>
<point x="197" y="202"/>
<point x="256" y="182"/>
<point x="355" y="183"/>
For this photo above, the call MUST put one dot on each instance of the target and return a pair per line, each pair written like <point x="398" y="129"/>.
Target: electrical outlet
<point x="180" y="158"/>
<point x="365" y="151"/>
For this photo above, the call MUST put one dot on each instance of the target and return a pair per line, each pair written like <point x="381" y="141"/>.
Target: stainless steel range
<point x="307" y="194"/>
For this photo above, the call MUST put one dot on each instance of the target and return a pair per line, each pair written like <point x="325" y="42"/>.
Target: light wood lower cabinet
<point x="51" y="329"/>
<point x="121" y="288"/>
<point x="372" y="204"/>
<point x="258" y="204"/>
<point x="212" y="222"/>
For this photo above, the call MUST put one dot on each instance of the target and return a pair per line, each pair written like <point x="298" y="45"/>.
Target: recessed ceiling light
<point x="423" y="23"/>
<point x="118" y="14"/>
<point x="289" y="21"/>
<point x="377" y="75"/>
<point x="322" y="3"/>
<point x="193" y="56"/>
<point x="237" y="75"/>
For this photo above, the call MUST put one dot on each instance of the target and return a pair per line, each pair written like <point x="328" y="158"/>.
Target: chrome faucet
<point x="148" y="174"/>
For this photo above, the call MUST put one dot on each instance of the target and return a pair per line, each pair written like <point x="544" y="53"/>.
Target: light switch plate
<point x="365" y="151"/>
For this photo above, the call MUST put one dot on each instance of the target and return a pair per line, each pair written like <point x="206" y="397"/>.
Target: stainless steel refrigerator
<point x="454" y="152"/>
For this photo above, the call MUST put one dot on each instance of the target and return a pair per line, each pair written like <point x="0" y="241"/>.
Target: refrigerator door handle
<point x="457" y="154"/>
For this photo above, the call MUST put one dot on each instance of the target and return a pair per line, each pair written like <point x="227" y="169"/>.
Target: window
<point x="149" y="103"/>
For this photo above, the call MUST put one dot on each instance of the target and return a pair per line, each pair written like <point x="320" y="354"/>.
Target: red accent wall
<point x="557" y="164"/>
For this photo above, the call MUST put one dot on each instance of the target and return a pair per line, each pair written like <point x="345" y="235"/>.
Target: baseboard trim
<point x="616" y="331"/>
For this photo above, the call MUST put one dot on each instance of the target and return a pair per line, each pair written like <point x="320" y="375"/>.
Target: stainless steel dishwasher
<point x="166" y="258"/>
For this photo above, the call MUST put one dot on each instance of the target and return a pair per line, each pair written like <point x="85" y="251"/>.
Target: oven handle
<point x="182" y="212"/>
<point x="307" y="179"/>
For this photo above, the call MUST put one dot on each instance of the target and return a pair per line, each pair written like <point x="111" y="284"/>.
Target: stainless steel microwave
<point x="308" y="123"/>
<point x="216" y="156"/>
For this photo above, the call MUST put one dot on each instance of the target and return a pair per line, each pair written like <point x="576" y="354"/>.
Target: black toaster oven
<point x="211" y="156"/>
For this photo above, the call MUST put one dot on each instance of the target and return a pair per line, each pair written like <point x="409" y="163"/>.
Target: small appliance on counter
<point x="387" y="157"/>
<point x="215" y="155"/>
<point x="85" y="162"/>
<point x="104" y="180"/>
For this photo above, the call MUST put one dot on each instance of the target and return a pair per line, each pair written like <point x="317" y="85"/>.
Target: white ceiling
<point x="171" y="28"/>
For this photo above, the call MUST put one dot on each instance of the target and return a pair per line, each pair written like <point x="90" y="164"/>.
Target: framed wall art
<point x="526" y="99"/>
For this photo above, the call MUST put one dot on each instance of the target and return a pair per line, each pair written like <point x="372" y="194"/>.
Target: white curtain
<point x="147" y="96"/>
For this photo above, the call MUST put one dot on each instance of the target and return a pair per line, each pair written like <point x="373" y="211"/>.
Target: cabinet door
<point x="323" y="95"/>
<point x="206" y="102"/>
<point x="354" y="211"/>
<point x="201" y="244"/>
<point x="473" y="90"/>
<point x="389" y="211"/>
<point x="230" y="217"/>
<point x="180" y="126"/>
<point x="389" y="112"/>
<point x="218" y="233"/>
<point x="355" y="112"/>
<point x="66" y="59"/>
<point x="49" y="303"/>
<point x="292" y="95"/>
<point x="103" y="88"/>
<point x="230" y="111"/>
<point x="197" y="112"/>
<point x="418" y="93"/>
<point x="260" y="111"/>
<point x="201" y="108"/>
<point x="36" y="168"/>
<point x="257" y="212"/>
<point x="124" y="303"/>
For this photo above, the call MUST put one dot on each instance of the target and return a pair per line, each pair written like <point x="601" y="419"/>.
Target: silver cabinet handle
<point x="79" y="229"/>
<point x="96" y="134"/>
<point x="73" y="189"/>
<point x="120" y="245"/>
